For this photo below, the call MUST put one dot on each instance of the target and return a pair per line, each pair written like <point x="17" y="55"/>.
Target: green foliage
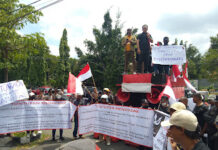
<point x="210" y="60"/>
<point x="30" y="63"/>
<point x="79" y="52"/>
<point x="13" y="16"/>
<point x="194" y="62"/>
<point x="64" y="63"/>
<point x="105" y="54"/>
<point x="175" y="42"/>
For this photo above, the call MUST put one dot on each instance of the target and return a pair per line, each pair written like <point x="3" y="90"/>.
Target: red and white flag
<point x="74" y="85"/>
<point x="185" y="72"/>
<point x="85" y="73"/>
<point x="188" y="84"/>
<point x="168" y="91"/>
<point x="140" y="83"/>
<point x="176" y="72"/>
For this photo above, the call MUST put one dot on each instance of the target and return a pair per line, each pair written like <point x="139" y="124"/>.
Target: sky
<point x="194" y="21"/>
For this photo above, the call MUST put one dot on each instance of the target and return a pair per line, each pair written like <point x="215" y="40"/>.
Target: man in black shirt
<point x="184" y="130"/>
<point x="199" y="111"/>
<point x="144" y="49"/>
<point x="77" y="102"/>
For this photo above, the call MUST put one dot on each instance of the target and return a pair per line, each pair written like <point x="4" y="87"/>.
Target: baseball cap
<point x="31" y="94"/>
<point x="106" y="89"/>
<point x="104" y="96"/>
<point x="183" y="118"/>
<point x="178" y="106"/>
<point x="211" y="97"/>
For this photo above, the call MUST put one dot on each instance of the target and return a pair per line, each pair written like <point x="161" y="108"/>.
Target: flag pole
<point x="93" y="80"/>
<point x="93" y="96"/>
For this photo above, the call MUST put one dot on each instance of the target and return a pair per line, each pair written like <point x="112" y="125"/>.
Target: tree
<point x="210" y="60"/>
<point x="105" y="54"/>
<point x="30" y="64"/>
<point x="194" y="62"/>
<point x="13" y="16"/>
<point x="64" y="65"/>
<point x="176" y="42"/>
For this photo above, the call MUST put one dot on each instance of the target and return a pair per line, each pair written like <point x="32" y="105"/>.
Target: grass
<point x="19" y="134"/>
<point x="33" y="143"/>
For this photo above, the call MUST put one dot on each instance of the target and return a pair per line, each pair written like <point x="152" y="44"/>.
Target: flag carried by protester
<point x="85" y="73"/>
<point x="186" y="80"/>
<point x="177" y="69"/>
<point x="74" y="85"/>
<point x="168" y="91"/>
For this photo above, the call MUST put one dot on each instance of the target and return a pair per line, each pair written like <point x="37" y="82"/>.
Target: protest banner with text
<point x="126" y="123"/>
<point x="12" y="91"/>
<point x="169" y="55"/>
<point x="159" y="133"/>
<point x="36" y="115"/>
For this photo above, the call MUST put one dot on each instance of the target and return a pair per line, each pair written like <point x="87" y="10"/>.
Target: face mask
<point x="164" y="104"/>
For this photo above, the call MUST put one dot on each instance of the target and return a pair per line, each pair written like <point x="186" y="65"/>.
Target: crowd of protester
<point x="206" y="114"/>
<point x="188" y="129"/>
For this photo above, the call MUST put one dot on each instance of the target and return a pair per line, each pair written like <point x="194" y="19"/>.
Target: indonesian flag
<point x="74" y="85"/>
<point x="85" y="73"/>
<point x="188" y="84"/>
<point x="176" y="72"/>
<point x="168" y="91"/>
<point x="186" y="70"/>
<point x="140" y="83"/>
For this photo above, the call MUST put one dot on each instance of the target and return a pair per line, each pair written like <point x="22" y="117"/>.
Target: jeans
<point x="75" y="125"/>
<point x="54" y="131"/>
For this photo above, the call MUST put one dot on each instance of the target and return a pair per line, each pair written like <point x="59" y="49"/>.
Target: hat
<point x="178" y="106"/>
<point x="31" y="94"/>
<point x="58" y="96"/>
<point x="104" y="96"/>
<point x="106" y="89"/>
<point x="183" y="118"/>
<point x="211" y="97"/>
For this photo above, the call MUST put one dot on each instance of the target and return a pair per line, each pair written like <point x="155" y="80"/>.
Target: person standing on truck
<point x="165" y="68"/>
<point x="144" y="49"/>
<point x="129" y="41"/>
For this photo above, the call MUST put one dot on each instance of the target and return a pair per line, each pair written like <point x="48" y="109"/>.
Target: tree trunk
<point x="6" y="75"/>
<point x="6" y="67"/>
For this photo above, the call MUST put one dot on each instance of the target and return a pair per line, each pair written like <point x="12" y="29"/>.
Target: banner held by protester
<point x="12" y="91"/>
<point x="169" y="55"/>
<point x="159" y="133"/>
<point x="36" y="115"/>
<point x="126" y="123"/>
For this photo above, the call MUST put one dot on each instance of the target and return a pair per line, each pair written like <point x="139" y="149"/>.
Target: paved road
<point x="51" y="145"/>
<point x="6" y="143"/>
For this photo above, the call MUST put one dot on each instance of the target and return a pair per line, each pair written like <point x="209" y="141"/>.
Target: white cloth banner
<point x="12" y="91"/>
<point x="126" y="123"/>
<point x="36" y="115"/>
<point x="159" y="133"/>
<point x="169" y="55"/>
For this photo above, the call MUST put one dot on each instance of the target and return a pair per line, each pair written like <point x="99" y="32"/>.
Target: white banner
<point x="159" y="133"/>
<point x="12" y="91"/>
<point x="169" y="55"/>
<point x="191" y="104"/>
<point x="126" y="123"/>
<point x="36" y="115"/>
